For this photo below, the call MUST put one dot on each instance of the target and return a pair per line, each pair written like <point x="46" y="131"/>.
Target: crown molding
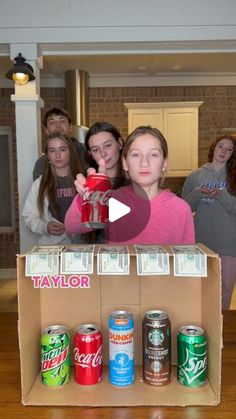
<point x="137" y="80"/>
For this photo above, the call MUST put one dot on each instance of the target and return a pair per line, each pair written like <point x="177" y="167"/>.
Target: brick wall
<point x="217" y="112"/>
<point x="53" y="98"/>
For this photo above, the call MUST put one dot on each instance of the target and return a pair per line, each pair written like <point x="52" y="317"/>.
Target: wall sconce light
<point x="21" y="72"/>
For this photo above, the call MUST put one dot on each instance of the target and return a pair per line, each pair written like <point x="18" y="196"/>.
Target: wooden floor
<point x="8" y="296"/>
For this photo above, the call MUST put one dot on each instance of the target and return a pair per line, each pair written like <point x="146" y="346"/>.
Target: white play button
<point x="117" y="210"/>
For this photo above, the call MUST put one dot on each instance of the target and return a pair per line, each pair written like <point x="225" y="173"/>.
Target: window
<point x="7" y="212"/>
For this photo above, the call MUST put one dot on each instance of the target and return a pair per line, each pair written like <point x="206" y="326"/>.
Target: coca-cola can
<point x="88" y="355"/>
<point x="95" y="201"/>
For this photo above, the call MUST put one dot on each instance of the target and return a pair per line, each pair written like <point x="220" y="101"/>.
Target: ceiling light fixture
<point x="21" y="72"/>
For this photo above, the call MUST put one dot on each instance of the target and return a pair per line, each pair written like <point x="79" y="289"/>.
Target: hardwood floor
<point x="8" y="296"/>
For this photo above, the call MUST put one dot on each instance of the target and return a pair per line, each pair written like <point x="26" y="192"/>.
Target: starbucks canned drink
<point x="95" y="201"/>
<point x="121" y="348"/>
<point x="55" y="356"/>
<point x="88" y="355"/>
<point x="192" y="356"/>
<point x="156" y="348"/>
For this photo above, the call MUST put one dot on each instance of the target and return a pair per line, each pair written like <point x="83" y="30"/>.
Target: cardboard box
<point x="187" y="300"/>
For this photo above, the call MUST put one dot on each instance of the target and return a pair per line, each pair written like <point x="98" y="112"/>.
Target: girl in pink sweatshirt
<point x="156" y="216"/>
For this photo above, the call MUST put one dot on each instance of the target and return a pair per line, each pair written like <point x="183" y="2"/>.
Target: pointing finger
<point x="102" y="166"/>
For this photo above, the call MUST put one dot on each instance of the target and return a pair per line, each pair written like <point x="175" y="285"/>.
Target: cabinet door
<point x="181" y="132"/>
<point x="142" y="116"/>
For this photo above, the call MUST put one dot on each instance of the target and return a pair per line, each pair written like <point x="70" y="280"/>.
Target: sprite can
<point x="192" y="356"/>
<point x="55" y="356"/>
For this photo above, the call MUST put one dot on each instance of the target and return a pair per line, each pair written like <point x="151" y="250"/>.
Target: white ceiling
<point x="138" y="64"/>
<point x="151" y="64"/>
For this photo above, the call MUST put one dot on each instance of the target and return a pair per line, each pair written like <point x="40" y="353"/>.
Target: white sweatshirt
<point x="38" y="224"/>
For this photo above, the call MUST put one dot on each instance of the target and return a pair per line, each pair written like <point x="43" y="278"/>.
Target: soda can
<point x="88" y="355"/>
<point x="55" y="356"/>
<point x="192" y="356"/>
<point x="156" y="348"/>
<point x="95" y="201"/>
<point x="121" y="348"/>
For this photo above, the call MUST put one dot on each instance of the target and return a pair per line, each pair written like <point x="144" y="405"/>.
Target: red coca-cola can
<point x="88" y="355"/>
<point x="95" y="201"/>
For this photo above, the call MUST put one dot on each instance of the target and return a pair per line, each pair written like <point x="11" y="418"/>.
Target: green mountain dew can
<point x="55" y="356"/>
<point x="192" y="356"/>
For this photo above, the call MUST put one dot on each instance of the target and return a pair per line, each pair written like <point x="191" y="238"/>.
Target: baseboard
<point x="8" y="273"/>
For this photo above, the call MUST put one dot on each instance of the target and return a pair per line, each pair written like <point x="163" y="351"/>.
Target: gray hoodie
<point x="215" y="219"/>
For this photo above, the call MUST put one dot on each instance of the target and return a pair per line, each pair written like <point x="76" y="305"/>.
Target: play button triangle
<point x="117" y="210"/>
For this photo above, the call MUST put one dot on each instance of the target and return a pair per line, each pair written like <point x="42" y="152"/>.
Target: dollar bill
<point x="152" y="260"/>
<point x="77" y="259"/>
<point x="42" y="261"/>
<point x="113" y="260"/>
<point x="189" y="261"/>
<point x="46" y="249"/>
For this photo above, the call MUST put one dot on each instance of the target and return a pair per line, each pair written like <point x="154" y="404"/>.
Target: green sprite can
<point x="55" y="356"/>
<point x="192" y="356"/>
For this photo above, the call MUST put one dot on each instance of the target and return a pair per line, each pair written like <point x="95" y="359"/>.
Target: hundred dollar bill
<point x="42" y="261"/>
<point x="152" y="260"/>
<point x="113" y="260"/>
<point x="189" y="261"/>
<point x="77" y="260"/>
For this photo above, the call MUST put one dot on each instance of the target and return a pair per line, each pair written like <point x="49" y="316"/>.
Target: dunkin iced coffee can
<point x="121" y="348"/>
<point x="156" y="348"/>
<point x="95" y="201"/>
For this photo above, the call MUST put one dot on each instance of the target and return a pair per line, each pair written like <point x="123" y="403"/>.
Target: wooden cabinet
<point x="178" y="121"/>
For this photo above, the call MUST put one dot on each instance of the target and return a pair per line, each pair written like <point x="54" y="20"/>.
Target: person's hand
<point x="81" y="179"/>
<point x="79" y="183"/>
<point x="56" y="229"/>
<point x="214" y="192"/>
<point x="102" y="166"/>
<point x="210" y="192"/>
<point x="205" y="190"/>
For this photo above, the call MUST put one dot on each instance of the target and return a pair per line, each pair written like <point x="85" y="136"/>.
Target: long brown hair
<point x="48" y="182"/>
<point x="120" y="178"/>
<point x="230" y="164"/>
<point x="96" y="128"/>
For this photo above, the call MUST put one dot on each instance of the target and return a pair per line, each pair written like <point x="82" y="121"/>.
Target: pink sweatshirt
<point x="165" y="219"/>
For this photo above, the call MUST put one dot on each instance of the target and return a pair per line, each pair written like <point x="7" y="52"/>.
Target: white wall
<point x="116" y="21"/>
